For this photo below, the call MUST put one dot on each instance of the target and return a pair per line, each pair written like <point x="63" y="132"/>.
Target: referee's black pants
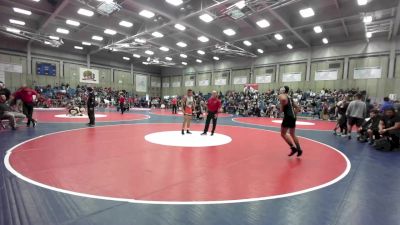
<point x="213" y="116"/>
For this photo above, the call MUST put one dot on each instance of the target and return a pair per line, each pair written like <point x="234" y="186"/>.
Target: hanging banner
<point x="141" y="83"/>
<point x="204" y="82"/>
<point x="220" y="81"/>
<point x="12" y="68"/>
<point x="367" y="73"/>
<point x="89" y="76"/>
<point x="155" y="84"/>
<point x="239" y="80"/>
<point x="250" y="87"/>
<point x="264" y="79"/>
<point x="189" y="83"/>
<point x="291" y="77"/>
<point x="176" y="84"/>
<point x="165" y="85"/>
<point x="326" y="75"/>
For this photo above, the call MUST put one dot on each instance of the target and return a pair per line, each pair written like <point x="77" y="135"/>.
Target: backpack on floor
<point x="383" y="144"/>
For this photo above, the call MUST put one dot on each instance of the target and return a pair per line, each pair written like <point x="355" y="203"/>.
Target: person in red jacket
<point x="174" y="103"/>
<point x="28" y="97"/>
<point x="121" y="101"/>
<point x="213" y="107"/>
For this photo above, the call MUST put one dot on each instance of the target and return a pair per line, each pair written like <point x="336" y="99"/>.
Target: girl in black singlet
<point x="289" y="109"/>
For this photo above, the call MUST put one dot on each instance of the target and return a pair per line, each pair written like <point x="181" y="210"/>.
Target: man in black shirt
<point x="390" y="127"/>
<point x="91" y="103"/>
<point x="370" y="128"/>
<point x="6" y="113"/>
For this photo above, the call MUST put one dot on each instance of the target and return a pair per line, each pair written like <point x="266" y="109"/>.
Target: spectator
<point x="356" y="113"/>
<point x="386" y="104"/>
<point x="389" y="127"/>
<point x="370" y="129"/>
<point x="28" y="97"/>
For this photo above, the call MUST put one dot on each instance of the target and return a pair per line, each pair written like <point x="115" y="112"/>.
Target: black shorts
<point x="289" y="122"/>
<point x="355" y="121"/>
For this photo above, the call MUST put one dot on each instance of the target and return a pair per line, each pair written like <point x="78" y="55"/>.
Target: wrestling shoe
<point x="212" y="134"/>
<point x="204" y="133"/>
<point x="294" y="150"/>
<point x="188" y="132"/>
<point x="183" y="132"/>
<point x="299" y="152"/>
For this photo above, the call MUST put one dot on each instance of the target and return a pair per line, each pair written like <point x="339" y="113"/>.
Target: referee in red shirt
<point x="213" y="107"/>
<point x="28" y="97"/>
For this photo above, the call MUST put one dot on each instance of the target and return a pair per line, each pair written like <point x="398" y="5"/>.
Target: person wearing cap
<point x="213" y="107"/>
<point x="91" y="103"/>
<point x="389" y="127"/>
<point x="28" y="97"/>
<point x="289" y="110"/>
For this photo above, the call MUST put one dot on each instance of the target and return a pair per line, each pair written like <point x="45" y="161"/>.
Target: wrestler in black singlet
<point x="289" y="118"/>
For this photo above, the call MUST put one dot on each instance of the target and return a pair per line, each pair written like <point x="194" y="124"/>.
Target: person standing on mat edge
<point x="187" y="107"/>
<point x="122" y="103"/>
<point x="28" y="97"/>
<point x="289" y="109"/>
<point x="91" y="103"/>
<point x="356" y="113"/>
<point x="213" y="107"/>
<point x="174" y="103"/>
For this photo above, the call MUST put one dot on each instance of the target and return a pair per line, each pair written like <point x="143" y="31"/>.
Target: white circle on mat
<point x="141" y="109"/>
<point x="297" y="123"/>
<point x="175" y="138"/>
<point x="79" y="117"/>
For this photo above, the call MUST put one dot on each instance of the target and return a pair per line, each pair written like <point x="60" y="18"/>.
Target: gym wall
<point x="344" y="58"/>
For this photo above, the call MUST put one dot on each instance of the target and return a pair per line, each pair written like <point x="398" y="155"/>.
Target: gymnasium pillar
<point x="392" y="58"/>
<point x="88" y="61"/>
<point x="346" y="68"/>
<point x="61" y="69"/>
<point x="29" y="75"/>
<point x="308" y="70"/>
<point x="277" y="73"/>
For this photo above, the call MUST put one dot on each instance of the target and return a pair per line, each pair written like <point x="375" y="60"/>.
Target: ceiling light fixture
<point x="47" y="43"/>
<point x="86" y="43"/>
<point x="263" y="23"/>
<point x="174" y="2"/>
<point x="278" y="37"/>
<point x="260" y="51"/>
<point x="203" y="39"/>
<point x="289" y="46"/>
<point x="307" y="12"/>
<point x="181" y="44"/>
<point x="124" y="23"/>
<point x="240" y="4"/>
<point x="183" y="56"/>
<point x="229" y="32"/>
<point x="18" y="22"/>
<point x="13" y="30"/>
<point x="85" y="12"/>
<point x="163" y="48"/>
<point x="318" y="29"/>
<point x="110" y="32"/>
<point x="216" y="58"/>
<point x="184" y="63"/>
<point x="73" y="23"/>
<point x="62" y="31"/>
<point x="22" y="11"/>
<point x="126" y="58"/>
<point x="97" y="38"/>
<point x="199" y="60"/>
<point x="367" y="19"/>
<point x="54" y="38"/>
<point x="206" y="17"/>
<point x="148" y="52"/>
<point x="180" y="27"/>
<point x="136" y="56"/>
<point x="157" y="34"/>
<point x="168" y="58"/>
<point x="362" y="2"/>
<point x="247" y="43"/>
<point x="146" y="13"/>
<point x="78" y="47"/>
<point x="325" y="40"/>
<point x="369" y="34"/>
<point x="139" y="40"/>
<point x="200" y="52"/>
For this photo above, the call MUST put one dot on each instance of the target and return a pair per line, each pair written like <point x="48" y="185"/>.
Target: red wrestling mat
<point x="61" y="117"/>
<point x="117" y="163"/>
<point x="168" y="112"/>
<point x="274" y="122"/>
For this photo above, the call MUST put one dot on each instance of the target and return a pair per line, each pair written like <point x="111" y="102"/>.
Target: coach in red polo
<point x="213" y="107"/>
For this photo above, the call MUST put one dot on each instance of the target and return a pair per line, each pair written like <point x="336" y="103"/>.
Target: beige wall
<point x="68" y="73"/>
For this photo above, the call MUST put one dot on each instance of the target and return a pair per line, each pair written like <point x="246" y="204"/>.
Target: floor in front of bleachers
<point x="118" y="173"/>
